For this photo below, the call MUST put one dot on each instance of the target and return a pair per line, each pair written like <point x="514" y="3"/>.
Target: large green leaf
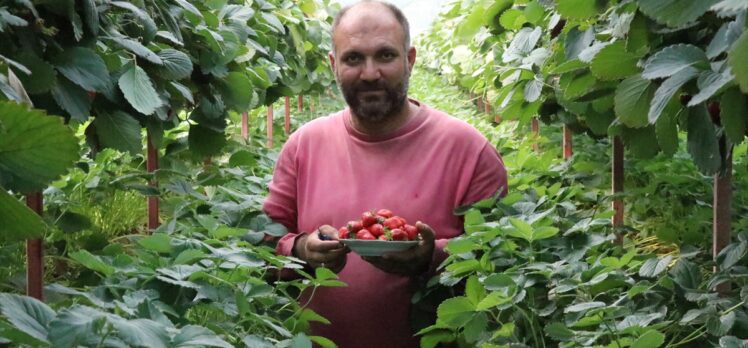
<point x="702" y="140"/>
<point x="642" y="142"/>
<point x="632" y="101"/>
<point x="19" y="222"/>
<point x="709" y="83"/>
<point x="468" y="27"/>
<point x="667" y="90"/>
<point x="71" y="98"/>
<point x="92" y="262"/>
<point x="118" y="130"/>
<point x="734" y="114"/>
<point x="666" y="128"/>
<point x="737" y="58"/>
<point x="675" y="13"/>
<point x="75" y="326"/>
<point x="84" y="67"/>
<point x="613" y="62"/>
<point x="580" y="9"/>
<point x="27" y="314"/>
<point x="42" y="76"/>
<point x="137" y="48"/>
<point x="456" y="311"/>
<point x="177" y="64"/>
<point x="205" y="142"/>
<point x="650" y="339"/>
<point x="140" y="332"/>
<point x="237" y="91"/>
<point x="34" y="148"/>
<point x="672" y="59"/>
<point x="138" y="90"/>
<point x="198" y="336"/>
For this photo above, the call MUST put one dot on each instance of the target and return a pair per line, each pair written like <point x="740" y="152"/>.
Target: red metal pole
<point x="721" y="225"/>
<point x="618" y="187"/>
<point x="568" y="142"/>
<point x="536" y="131"/>
<point x="35" y="253"/>
<point x="153" y="201"/>
<point x="245" y="125"/>
<point x="287" y="119"/>
<point x="270" y="126"/>
<point x="300" y="104"/>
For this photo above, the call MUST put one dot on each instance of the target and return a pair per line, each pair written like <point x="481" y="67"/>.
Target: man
<point x="383" y="151"/>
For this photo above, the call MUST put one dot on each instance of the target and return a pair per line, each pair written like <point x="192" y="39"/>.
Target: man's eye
<point x="352" y="59"/>
<point x="388" y="55"/>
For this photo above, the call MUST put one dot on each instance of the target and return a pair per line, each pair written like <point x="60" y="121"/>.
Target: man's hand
<point x="322" y="252"/>
<point x="411" y="262"/>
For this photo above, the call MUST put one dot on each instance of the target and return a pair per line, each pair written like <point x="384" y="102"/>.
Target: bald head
<point x="369" y="11"/>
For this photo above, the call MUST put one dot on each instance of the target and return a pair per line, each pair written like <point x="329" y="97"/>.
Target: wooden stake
<point x="269" y="143"/>
<point x="618" y="187"/>
<point x="536" y="132"/>
<point x="300" y="104"/>
<point x="245" y="125"/>
<point x="568" y="142"/>
<point x="35" y="253"/>
<point x="287" y="119"/>
<point x="152" y="166"/>
<point x="721" y="226"/>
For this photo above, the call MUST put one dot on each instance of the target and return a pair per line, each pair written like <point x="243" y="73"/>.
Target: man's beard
<point x="378" y="107"/>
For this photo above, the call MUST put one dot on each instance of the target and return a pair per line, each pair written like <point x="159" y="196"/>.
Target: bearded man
<point x="383" y="151"/>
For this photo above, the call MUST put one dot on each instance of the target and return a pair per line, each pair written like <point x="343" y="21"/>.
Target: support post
<point x="300" y="104"/>
<point x="35" y="253"/>
<point x="568" y="142"/>
<point x="536" y="132"/>
<point x="269" y="127"/>
<point x="721" y="226"/>
<point x="618" y="187"/>
<point x="152" y="166"/>
<point x="287" y="116"/>
<point x="245" y="125"/>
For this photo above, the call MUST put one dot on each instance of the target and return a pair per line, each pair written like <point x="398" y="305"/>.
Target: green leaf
<point x="521" y="229"/>
<point x="205" y="142"/>
<point x="177" y="64"/>
<point x="141" y="332"/>
<point x="27" y="314"/>
<point x="469" y="26"/>
<point x="137" y="48"/>
<point x="732" y="342"/>
<point x="736" y="58"/>
<point x="455" y="311"/>
<point x="237" y="91"/>
<point x="675" y="13"/>
<point x="579" y="85"/>
<point x="702" y="141"/>
<point x="309" y="7"/>
<point x="474" y="290"/>
<point x="34" y="148"/>
<point x="532" y="90"/>
<point x="75" y="326"/>
<point x="667" y="90"/>
<point x="138" y="90"/>
<point x="613" y="62"/>
<point x="666" y="128"/>
<point x="158" y="242"/>
<point x="189" y="256"/>
<point x="42" y="76"/>
<point x="734" y="114"/>
<point x="118" y="130"/>
<point x="580" y="9"/>
<point x="710" y="82"/>
<point x="534" y="12"/>
<point x="149" y="26"/>
<point x="323" y="341"/>
<point x="512" y="19"/>
<point x="654" y="266"/>
<point x="91" y="15"/>
<point x="727" y="8"/>
<point x="72" y="98"/>
<point x="493" y="299"/>
<point x="632" y="101"/>
<point x="583" y="307"/>
<point x="559" y="332"/>
<point x="650" y="339"/>
<point x="577" y="41"/>
<point x="642" y="142"/>
<point x="92" y="262"/>
<point x="673" y="59"/>
<point x="19" y="222"/>
<point x="731" y="254"/>
<point x="569" y="65"/>
<point x="84" y="67"/>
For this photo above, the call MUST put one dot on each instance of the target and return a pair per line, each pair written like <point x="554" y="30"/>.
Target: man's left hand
<point x="411" y="262"/>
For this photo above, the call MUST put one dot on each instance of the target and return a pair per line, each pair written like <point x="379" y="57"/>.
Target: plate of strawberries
<point x="378" y="232"/>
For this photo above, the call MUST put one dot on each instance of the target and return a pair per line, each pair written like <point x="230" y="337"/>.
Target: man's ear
<point x="331" y="55"/>
<point x="411" y="57"/>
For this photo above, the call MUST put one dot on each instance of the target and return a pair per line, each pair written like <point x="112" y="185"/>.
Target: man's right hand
<point x="322" y="252"/>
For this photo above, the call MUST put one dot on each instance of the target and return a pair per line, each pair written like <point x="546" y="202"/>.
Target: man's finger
<point x="426" y="232"/>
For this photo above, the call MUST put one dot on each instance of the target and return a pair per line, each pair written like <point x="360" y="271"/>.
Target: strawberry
<point x="364" y="234"/>
<point x="398" y="234"/>
<point x="382" y="237"/>
<point x="412" y="231"/>
<point x="392" y="223"/>
<point x="343" y="233"/>
<point x="385" y="213"/>
<point x="376" y="230"/>
<point x="355" y="226"/>
<point x="368" y="219"/>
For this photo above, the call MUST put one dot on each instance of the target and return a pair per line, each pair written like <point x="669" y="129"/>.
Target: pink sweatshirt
<point x="328" y="173"/>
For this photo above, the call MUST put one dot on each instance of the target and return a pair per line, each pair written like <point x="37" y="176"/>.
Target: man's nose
<point x="370" y="71"/>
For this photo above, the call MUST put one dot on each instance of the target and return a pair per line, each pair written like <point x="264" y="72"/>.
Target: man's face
<point x="371" y="65"/>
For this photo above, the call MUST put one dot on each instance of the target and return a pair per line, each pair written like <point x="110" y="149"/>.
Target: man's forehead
<point x="368" y="18"/>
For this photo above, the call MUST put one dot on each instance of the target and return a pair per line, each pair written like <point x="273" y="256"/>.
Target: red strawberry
<point x="398" y="234"/>
<point x="412" y="231"/>
<point x="376" y="230"/>
<point x="382" y="237"/>
<point x="392" y="223"/>
<point x="343" y="233"/>
<point x="385" y="213"/>
<point x="365" y="235"/>
<point x="402" y="221"/>
<point x="354" y="226"/>
<point x="368" y="219"/>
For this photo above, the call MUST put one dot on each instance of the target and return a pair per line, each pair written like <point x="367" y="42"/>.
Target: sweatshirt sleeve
<point x="489" y="177"/>
<point x="281" y="203"/>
